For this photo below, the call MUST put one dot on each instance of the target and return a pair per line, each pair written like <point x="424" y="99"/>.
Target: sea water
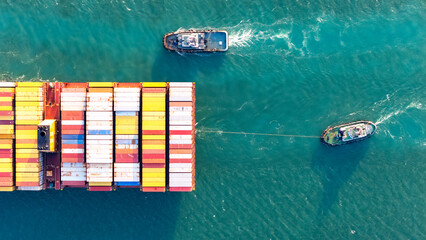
<point x="293" y="67"/>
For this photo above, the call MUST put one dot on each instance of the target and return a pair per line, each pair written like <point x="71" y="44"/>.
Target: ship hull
<point x="217" y="41"/>
<point x="329" y="136"/>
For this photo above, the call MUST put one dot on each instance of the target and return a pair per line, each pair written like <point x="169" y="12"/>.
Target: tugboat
<point x="348" y="133"/>
<point x="196" y="41"/>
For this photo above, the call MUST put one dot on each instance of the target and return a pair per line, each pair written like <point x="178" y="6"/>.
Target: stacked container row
<point x="181" y="137"/>
<point x="99" y="136"/>
<point x="153" y="137"/>
<point x="73" y="107"/>
<point x="29" y="111"/>
<point x="7" y="135"/>
<point x="127" y="108"/>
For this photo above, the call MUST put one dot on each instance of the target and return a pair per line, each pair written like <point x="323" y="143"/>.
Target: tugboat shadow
<point x="184" y="67"/>
<point x="335" y="165"/>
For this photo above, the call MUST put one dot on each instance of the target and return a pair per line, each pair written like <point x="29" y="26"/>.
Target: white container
<point x="181" y="142"/>
<point x="132" y="95"/>
<point x="126" y="146"/>
<point x="105" y="122"/>
<point x="180" y="156"/>
<point x="127" y="90"/>
<point x="99" y="147"/>
<point x="180" y="137"/>
<point x="127" y="137"/>
<point x="97" y="127"/>
<point x="181" y="175"/>
<point x="126" y="165"/>
<point x="72" y="122"/>
<point x="173" y="90"/>
<point x="126" y="108"/>
<point x="68" y="150"/>
<point x="181" y="128"/>
<point x="7" y="84"/>
<point x="98" y="137"/>
<point x="180" y="84"/>
<point x="180" y="123"/>
<point x="180" y="109"/>
<point x="99" y="142"/>
<point x="180" y="113"/>
<point x="80" y="165"/>
<point x="180" y="118"/>
<point x="98" y="115"/>
<point x="73" y="108"/>
<point x="73" y="169"/>
<point x="177" y="170"/>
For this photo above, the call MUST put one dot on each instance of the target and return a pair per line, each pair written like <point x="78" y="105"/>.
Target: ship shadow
<point x="184" y="67"/>
<point x="335" y="166"/>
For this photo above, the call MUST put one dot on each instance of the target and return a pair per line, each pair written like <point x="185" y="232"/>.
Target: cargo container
<point x="7" y="135"/>
<point x="29" y="101"/>
<point x="181" y="137"/>
<point x="153" y="142"/>
<point x="73" y="109"/>
<point x="99" y="136"/>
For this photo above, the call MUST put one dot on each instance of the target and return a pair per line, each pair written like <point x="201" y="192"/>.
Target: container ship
<point x="97" y="135"/>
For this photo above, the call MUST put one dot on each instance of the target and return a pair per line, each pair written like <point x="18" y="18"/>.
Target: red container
<point x="73" y="146"/>
<point x="172" y="160"/>
<point x="6" y="179"/>
<point x="153" y="156"/>
<point x="130" y="160"/>
<point x="74" y="183"/>
<point x="6" y="151"/>
<point x="31" y="141"/>
<point x="72" y="155"/>
<point x="153" y="90"/>
<point x="154" y="165"/>
<point x="180" y="189"/>
<point x="153" y="160"/>
<point x="180" y="104"/>
<point x="6" y="155"/>
<point x="26" y="127"/>
<point x="6" y="103"/>
<point x="181" y="146"/>
<point x="72" y="132"/>
<point x="153" y="151"/>
<point x="126" y="151"/>
<point x="72" y="115"/>
<point x="180" y="132"/>
<point x="72" y="127"/>
<point x="7" y="113"/>
<point x="153" y="132"/>
<point x="73" y="160"/>
<point x="100" y="189"/>
<point x="6" y="174"/>
<point x="132" y="156"/>
<point x="6" y="94"/>
<point x="6" y="184"/>
<point x="154" y="189"/>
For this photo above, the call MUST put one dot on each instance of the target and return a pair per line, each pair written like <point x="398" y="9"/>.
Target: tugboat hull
<point x="348" y="133"/>
<point x="196" y="41"/>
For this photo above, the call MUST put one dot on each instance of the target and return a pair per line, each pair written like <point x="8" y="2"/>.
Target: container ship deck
<point x="98" y="135"/>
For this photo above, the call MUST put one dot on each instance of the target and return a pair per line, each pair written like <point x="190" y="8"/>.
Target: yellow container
<point x="154" y="84"/>
<point x="6" y="99"/>
<point x="7" y="131"/>
<point x="29" y="117"/>
<point x="30" y="84"/>
<point x="126" y="131"/>
<point x="29" y="99"/>
<point x="27" y="175"/>
<point x="153" y="184"/>
<point x="23" y="170"/>
<point x="154" y="123"/>
<point x="154" y="175"/>
<point x="7" y="189"/>
<point x="6" y="108"/>
<point x="7" y="90"/>
<point x="26" y="151"/>
<point x="26" y="132"/>
<point x="6" y="160"/>
<point x="153" y="170"/>
<point x="10" y="118"/>
<point x="154" y="128"/>
<point x="26" y="145"/>
<point x="27" y="155"/>
<point x="27" y="122"/>
<point x="101" y="84"/>
<point x="100" y="184"/>
<point x="28" y="179"/>
<point x="27" y="165"/>
<point x="29" y="108"/>
<point x="29" y="113"/>
<point x="158" y="106"/>
<point x="153" y="137"/>
<point x="157" y="118"/>
<point x="128" y="121"/>
<point x="159" y="146"/>
<point x="7" y="169"/>
<point x="5" y="146"/>
<point x="33" y="104"/>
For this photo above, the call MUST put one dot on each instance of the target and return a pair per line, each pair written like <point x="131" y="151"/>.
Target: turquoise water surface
<point x="293" y="67"/>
